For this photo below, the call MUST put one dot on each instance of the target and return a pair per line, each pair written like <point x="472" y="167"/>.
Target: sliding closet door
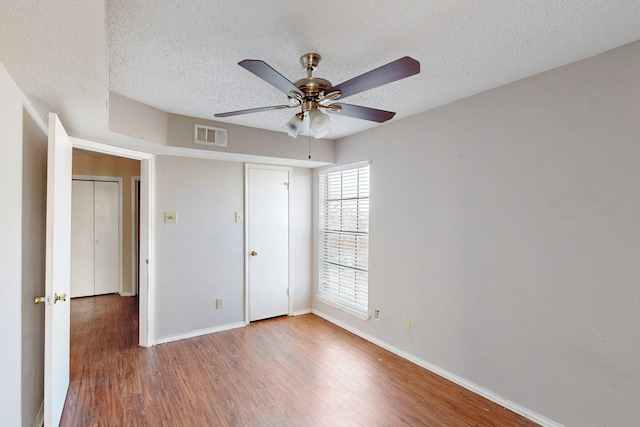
<point x="106" y="237"/>
<point x="82" y="242"/>
<point x="95" y="251"/>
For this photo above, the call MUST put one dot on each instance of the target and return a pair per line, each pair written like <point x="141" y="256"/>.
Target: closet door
<point x="82" y="242"/>
<point x="106" y="237"/>
<point x="95" y="251"/>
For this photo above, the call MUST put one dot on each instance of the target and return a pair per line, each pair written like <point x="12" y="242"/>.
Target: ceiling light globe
<point x="293" y="126"/>
<point x="319" y="120"/>
<point x="322" y="133"/>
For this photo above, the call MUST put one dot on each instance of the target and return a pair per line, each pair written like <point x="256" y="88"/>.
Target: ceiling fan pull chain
<point x="309" y="139"/>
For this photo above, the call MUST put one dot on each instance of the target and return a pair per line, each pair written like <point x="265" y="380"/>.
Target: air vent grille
<point x="209" y="135"/>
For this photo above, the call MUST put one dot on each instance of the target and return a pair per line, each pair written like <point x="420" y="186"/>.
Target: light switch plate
<point x="170" y="217"/>
<point x="239" y="217"/>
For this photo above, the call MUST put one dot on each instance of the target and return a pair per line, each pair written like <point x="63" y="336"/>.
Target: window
<point x="344" y="238"/>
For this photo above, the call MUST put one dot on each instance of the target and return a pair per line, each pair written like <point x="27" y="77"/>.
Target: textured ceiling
<point x="181" y="57"/>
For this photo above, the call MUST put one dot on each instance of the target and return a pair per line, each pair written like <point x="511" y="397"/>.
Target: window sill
<point x="352" y="311"/>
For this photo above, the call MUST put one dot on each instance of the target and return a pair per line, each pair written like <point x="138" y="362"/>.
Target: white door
<point x="82" y="239"/>
<point x="58" y="275"/>
<point x="268" y="241"/>
<point x="107" y="216"/>
<point x="95" y="253"/>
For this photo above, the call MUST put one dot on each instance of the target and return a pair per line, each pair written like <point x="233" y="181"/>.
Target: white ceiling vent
<point x="208" y="135"/>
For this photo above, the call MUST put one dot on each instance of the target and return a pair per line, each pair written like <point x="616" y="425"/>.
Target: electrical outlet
<point x="170" y="217"/>
<point x="406" y="325"/>
<point x="376" y="313"/>
<point x="219" y="303"/>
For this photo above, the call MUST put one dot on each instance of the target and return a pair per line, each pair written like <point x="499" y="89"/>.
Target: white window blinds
<point x="344" y="236"/>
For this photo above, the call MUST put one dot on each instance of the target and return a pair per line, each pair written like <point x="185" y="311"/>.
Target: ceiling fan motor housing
<point x="312" y="87"/>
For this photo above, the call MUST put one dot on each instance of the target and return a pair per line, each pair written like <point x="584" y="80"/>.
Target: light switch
<point x="239" y="217"/>
<point x="170" y="217"/>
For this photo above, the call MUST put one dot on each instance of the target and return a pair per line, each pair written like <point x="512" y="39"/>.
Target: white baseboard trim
<point x="512" y="406"/>
<point x="127" y="294"/>
<point x="39" y="421"/>
<point x="301" y="312"/>
<point x="200" y="332"/>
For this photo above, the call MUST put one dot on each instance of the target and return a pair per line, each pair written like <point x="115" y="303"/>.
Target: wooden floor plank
<point x="289" y="371"/>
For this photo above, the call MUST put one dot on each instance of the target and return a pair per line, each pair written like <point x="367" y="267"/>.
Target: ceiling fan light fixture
<point x="322" y="134"/>
<point x="294" y="125"/>
<point x="319" y="120"/>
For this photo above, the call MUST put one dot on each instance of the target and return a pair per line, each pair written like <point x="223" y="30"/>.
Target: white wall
<point x="506" y="227"/>
<point x="201" y="257"/>
<point x="21" y="333"/>
<point x="11" y="248"/>
<point x="301" y="237"/>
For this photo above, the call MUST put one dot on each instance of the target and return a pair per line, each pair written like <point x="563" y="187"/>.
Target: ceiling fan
<point x="311" y="94"/>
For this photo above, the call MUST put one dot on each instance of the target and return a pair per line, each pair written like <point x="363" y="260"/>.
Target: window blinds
<point x="344" y="236"/>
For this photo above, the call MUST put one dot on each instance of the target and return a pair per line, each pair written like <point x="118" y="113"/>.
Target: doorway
<point x="96" y="244"/>
<point x="135" y="172"/>
<point x="267" y="231"/>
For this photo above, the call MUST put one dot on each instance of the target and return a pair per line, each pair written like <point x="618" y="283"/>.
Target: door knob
<point x="39" y="300"/>
<point x="57" y="298"/>
<point x="254" y="253"/>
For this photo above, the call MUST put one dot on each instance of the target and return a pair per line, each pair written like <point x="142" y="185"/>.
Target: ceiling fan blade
<point x="364" y="113"/>
<point x="252" y="110"/>
<point x="269" y="75"/>
<point x="396" y="70"/>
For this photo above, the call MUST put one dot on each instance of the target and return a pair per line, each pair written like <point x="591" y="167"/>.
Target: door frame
<point x="120" y="217"/>
<point x="135" y="227"/>
<point x="147" y="283"/>
<point x="247" y="168"/>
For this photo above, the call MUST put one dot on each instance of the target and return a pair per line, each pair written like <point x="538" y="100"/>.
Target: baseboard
<point x="39" y="421"/>
<point x="512" y="406"/>
<point x="301" y="312"/>
<point x="200" y="332"/>
<point x="127" y="294"/>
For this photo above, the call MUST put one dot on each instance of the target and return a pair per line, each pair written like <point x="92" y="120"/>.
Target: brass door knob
<point x="39" y="300"/>
<point x="57" y="298"/>
<point x="254" y="253"/>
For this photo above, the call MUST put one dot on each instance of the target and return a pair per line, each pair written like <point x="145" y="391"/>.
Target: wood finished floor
<point x="290" y="371"/>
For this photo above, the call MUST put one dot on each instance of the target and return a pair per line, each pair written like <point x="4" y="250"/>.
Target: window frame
<point x="355" y="260"/>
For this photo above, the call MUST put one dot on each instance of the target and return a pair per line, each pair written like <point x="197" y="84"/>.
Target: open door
<point x="58" y="272"/>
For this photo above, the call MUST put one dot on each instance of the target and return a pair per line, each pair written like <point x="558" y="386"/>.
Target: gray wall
<point x="251" y="141"/>
<point x="201" y="257"/>
<point x="21" y="257"/>
<point x="34" y="204"/>
<point x="506" y="227"/>
<point x="11" y="249"/>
